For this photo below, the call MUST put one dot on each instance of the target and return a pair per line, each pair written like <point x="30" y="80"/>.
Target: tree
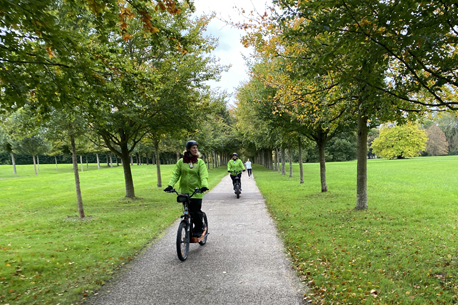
<point x="152" y="86"/>
<point x="6" y="145"/>
<point x="448" y="123"/>
<point x="403" y="141"/>
<point x="437" y="143"/>
<point x="34" y="146"/>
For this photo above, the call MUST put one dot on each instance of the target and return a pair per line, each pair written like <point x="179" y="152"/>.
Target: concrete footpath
<point x="243" y="262"/>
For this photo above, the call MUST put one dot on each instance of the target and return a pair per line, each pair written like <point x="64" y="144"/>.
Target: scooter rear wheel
<point x="205" y="222"/>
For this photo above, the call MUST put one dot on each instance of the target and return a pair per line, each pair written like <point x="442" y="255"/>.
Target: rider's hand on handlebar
<point x="204" y="189"/>
<point x="168" y="189"/>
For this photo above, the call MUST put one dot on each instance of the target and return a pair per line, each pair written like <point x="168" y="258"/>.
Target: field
<point x="402" y="250"/>
<point x="48" y="255"/>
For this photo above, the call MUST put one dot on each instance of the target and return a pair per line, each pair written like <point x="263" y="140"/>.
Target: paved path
<point x="243" y="261"/>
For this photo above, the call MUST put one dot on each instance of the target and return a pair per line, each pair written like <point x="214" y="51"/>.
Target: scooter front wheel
<point x="183" y="239"/>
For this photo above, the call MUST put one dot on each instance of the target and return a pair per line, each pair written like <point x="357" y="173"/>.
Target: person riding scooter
<point x="235" y="168"/>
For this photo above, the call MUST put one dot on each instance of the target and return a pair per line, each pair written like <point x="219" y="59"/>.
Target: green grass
<point x="48" y="255"/>
<point x="402" y="250"/>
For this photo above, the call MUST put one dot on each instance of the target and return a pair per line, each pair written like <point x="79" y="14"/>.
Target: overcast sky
<point x="230" y="49"/>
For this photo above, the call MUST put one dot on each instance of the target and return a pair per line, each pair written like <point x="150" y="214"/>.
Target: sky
<point x="230" y="49"/>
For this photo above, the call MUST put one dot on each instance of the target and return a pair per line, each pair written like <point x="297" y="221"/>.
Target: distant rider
<point x="235" y="168"/>
<point x="193" y="173"/>
<point x="248" y="167"/>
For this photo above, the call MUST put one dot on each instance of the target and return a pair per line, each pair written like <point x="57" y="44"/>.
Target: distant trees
<point x="448" y="123"/>
<point x="437" y="143"/>
<point x="400" y="141"/>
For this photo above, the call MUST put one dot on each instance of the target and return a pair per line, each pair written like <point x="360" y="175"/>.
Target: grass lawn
<point x="402" y="250"/>
<point x="48" y="255"/>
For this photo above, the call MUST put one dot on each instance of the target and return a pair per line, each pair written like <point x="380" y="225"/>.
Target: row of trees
<point x="127" y="75"/>
<point x="115" y="76"/>
<point x="321" y="68"/>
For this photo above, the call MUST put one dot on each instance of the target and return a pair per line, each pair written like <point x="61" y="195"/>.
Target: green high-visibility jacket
<point x="235" y="165"/>
<point x="190" y="178"/>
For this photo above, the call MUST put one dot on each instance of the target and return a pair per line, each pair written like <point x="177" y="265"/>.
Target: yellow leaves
<point x="50" y="52"/>
<point x="126" y="36"/>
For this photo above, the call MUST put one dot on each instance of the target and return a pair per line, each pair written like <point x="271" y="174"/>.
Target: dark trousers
<point x="240" y="179"/>
<point x="249" y="171"/>
<point x="196" y="214"/>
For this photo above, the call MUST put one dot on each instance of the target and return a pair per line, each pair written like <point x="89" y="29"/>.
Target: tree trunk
<point x="81" y="161"/>
<point x="117" y="160"/>
<point x="290" y="155"/>
<point x="271" y="161"/>
<point x="283" y="163"/>
<point x="34" y="165"/>
<point x="361" y="172"/>
<point x="324" y="187"/>
<point x="301" y="169"/>
<point x="55" y="159"/>
<point x="77" y="178"/>
<point x="98" y="161"/>
<point x="38" y="162"/>
<point x="147" y="160"/>
<point x="130" y="191"/>
<point x="111" y="159"/>
<point x="277" y="167"/>
<point x="158" y="163"/>
<point x="131" y="160"/>
<point x="13" y="161"/>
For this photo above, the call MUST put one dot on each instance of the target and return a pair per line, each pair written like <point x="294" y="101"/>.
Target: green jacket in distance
<point x="235" y="165"/>
<point x="190" y="178"/>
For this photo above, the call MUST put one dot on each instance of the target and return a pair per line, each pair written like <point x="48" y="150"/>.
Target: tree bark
<point x="117" y="160"/>
<point x="34" y="165"/>
<point x="361" y="171"/>
<point x="290" y="155"/>
<point x="131" y="160"/>
<point x="81" y="161"/>
<point x="321" y="145"/>
<point x="77" y="178"/>
<point x="158" y="163"/>
<point x="98" y="161"/>
<point x="55" y="159"/>
<point x="283" y="170"/>
<point x="38" y="162"/>
<point x="130" y="191"/>
<point x="14" y="163"/>
<point x="111" y="159"/>
<point x="147" y="159"/>
<point x="301" y="169"/>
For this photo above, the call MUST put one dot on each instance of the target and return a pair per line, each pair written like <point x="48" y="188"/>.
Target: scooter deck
<point x="199" y="239"/>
